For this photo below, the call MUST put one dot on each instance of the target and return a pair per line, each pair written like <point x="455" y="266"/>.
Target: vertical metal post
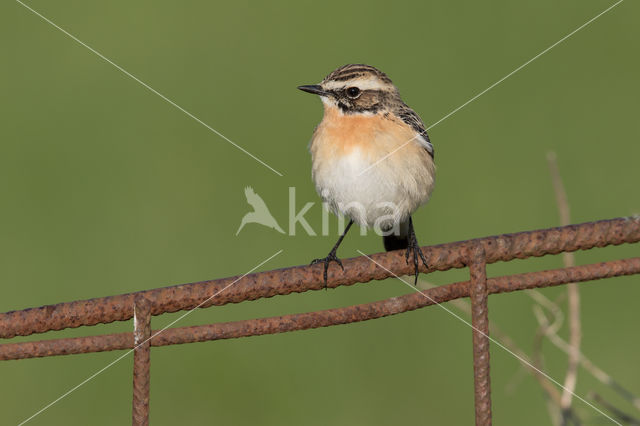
<point x="480" y="322"/>
<point x="141" y="360"/>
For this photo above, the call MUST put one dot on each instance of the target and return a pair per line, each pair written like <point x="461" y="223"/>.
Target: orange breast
<point x="342" y="133"/>
<point x="375" y="135"/>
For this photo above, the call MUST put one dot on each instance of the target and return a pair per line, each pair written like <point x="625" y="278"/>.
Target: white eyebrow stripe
<point x="363" y="83"/>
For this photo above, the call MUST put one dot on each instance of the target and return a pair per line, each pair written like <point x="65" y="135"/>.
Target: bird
<point x="260" y="213"/>
<point x="372" y="160"/>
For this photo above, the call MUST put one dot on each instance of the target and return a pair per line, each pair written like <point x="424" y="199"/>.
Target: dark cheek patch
<point x="344" y="107"/>
<point x="369" y="101"/>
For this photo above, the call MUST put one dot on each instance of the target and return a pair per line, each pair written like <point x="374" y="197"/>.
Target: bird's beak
<point x="313" y="88"/>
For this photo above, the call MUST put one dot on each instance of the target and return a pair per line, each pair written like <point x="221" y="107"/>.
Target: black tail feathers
<point x="395" y="242"/>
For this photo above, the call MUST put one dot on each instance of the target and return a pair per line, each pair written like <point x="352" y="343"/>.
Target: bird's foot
<point x="414" y="249"/>
<point x="327" y="260"/>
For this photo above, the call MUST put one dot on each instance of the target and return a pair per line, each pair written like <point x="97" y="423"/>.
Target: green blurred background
<point x="106" y="188"/>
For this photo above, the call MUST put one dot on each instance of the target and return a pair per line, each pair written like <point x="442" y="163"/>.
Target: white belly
<point x="382" y="195"/>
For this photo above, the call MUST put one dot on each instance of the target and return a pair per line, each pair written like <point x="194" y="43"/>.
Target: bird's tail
<point x="397" y="241"/>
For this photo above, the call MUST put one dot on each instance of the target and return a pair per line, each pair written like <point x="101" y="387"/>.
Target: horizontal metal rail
<point x="324" y="318"/>
<point x="303" y="278"/>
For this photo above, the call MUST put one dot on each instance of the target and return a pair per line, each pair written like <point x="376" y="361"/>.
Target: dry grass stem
<point x="573" y="294"/>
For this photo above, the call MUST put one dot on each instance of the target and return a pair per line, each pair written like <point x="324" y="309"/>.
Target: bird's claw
<point x="327" y="260"/>
<point x="414" y="248"/>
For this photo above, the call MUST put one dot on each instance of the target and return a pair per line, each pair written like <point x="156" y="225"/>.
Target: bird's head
<point x="355" y="89"/>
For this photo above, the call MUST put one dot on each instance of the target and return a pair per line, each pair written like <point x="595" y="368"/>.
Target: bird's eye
<point x="353" y="92"/>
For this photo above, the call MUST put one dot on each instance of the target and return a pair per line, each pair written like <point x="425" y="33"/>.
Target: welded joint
<point x="479" y="295"/>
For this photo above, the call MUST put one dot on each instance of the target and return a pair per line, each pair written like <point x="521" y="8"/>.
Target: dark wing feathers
<point x="412" y="119"/>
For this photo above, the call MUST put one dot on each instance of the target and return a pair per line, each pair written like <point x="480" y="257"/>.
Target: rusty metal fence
<point x="474" y="254"/>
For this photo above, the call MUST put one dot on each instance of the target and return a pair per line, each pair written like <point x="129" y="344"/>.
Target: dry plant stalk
<point x="559" y="403"/>
<point x="575" y="330"/>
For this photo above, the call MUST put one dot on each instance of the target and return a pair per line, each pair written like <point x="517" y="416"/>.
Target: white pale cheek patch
<point x="329" y="102"/>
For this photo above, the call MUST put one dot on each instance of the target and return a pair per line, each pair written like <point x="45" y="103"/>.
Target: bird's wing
<point x="254" y="199"/>
<point x="412" y="119"/>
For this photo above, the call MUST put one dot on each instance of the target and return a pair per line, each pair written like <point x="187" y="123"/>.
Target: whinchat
<point x="372" y="159"/>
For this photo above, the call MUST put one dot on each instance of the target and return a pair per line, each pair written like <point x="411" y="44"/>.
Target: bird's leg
<point x="332" y="254"/>
<point x="414" y="248"/>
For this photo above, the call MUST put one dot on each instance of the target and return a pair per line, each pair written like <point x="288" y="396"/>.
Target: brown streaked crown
<point x="355" y="71"/>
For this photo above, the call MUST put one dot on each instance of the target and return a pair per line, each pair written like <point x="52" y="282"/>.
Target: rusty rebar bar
<point x="479" y="295"/>
<point x="141" y="361"/>
<point x="302" y="278"/>
<point x="309" y="320"/>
